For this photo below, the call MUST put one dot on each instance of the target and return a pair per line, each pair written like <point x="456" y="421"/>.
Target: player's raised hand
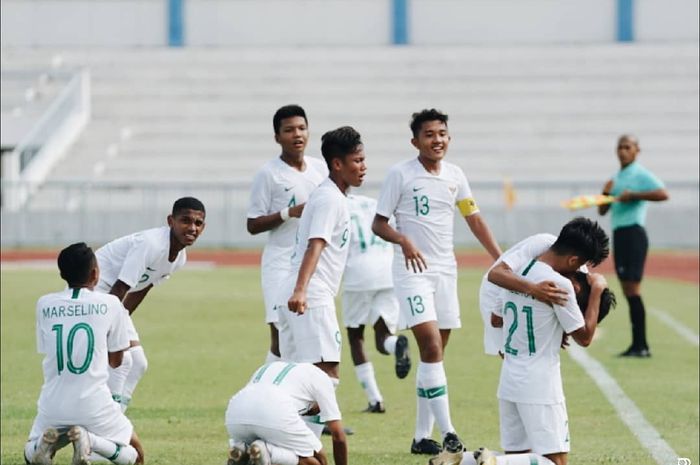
<point x="597" y="281"/>
<point x="412" y="256"/>
<point x="297" y="302"/>
<point x="549" y="293"/>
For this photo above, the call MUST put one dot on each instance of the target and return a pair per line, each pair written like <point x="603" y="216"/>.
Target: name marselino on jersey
<point x="74" y="310"/>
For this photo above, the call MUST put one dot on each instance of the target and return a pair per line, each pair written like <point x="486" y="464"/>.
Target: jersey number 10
<point x="77" y="370"/>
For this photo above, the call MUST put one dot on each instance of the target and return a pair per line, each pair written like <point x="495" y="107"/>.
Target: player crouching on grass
<point x="264" y="419"/>
<point x="80" y="333"/>
<point x="132" y="265"/>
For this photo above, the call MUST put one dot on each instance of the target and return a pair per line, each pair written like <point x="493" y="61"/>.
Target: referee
<point x="632" y="187"/>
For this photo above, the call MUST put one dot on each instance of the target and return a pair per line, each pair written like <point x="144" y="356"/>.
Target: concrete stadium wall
<point x="118" y="23"/>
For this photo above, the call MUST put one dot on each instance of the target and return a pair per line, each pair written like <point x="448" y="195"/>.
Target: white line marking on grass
<point x="685" y="332"/>
<point x="626" y="409"/>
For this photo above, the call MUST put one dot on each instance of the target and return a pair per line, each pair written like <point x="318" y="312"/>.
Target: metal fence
<point x="60" y="212"/>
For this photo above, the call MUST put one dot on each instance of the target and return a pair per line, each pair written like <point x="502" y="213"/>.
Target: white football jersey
<point x="424" y="206"/>
<point x="326" y="217"/>
<point x="75" y="330"/>
<point x="369" y="259"/>
<point x="277" y="186"/>
<point x="532" y="336"/>
<point x="138" y="260"/>
<point x="303" y="384"/>
<point x="517" y="257"/>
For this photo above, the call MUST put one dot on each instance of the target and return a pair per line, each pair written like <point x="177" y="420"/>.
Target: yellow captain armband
<point x="467" y="206"/>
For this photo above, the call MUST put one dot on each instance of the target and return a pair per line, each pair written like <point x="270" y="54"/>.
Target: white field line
<point x="626" y="409"/>
<point x="685" y="332"/>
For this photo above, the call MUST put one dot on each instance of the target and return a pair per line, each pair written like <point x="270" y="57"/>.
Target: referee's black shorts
<point x="630" y="245"/>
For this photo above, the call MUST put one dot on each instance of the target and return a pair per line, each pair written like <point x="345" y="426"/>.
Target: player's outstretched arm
<point x="656" y="195"/>
<point x="340" y="443"/>
<point x="271" y="221"/>
<point x="603" y="209"/>
<point x="412" y="256"/>
<point x="546" y="291"/>
<point x="482" y="232"/>
<point x="297" y="303"/>
<point x="584" y="335"/>
<point x="131" y="301"/>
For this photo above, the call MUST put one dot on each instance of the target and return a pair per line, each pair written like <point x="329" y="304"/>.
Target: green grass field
<point x="204" y="335"/>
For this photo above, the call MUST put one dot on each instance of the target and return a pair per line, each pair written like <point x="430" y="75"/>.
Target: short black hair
<point x="584" y="238"/>
<point x="339" y="142"/>
<point x="417" y="119"/>
<point x="287" y="111"/>
<point x="607" y="298"/>
<point x="75" y="263"/>
<point x="188" y="203"/>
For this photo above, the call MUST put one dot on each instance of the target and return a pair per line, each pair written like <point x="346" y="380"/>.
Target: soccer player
<point x="130" y="267"/>
<point x="313" y="334"/>
<point x="280" y="190"/>
<point x="368" y="299"/>
<point x="633" y="186"/>
<point x="264" y="419"/>
<point x="533" y="414"/>
<point x="490" y="294"/>
<point x="80" y="333"/>
<point x="421" y="194"/>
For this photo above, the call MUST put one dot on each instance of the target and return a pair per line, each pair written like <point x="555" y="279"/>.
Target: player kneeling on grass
<point x="264" y="419"/>
<point x="81" y="333"/>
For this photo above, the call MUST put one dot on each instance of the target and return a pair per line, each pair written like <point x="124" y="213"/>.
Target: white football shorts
<point x="542" y="428"/>
<point x="427" y="296"/>
<point x="311" y="337"/>
<point x="366" y="307"/>
<point x="108" y="422"/>
<point x="275" y="421"/>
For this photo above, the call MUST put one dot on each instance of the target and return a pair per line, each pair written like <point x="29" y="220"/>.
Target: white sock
<point x="282" y="456"/>
<point x="117" y="376"/>
<point x="523" y="459"/>
<point x="468" y="458"/>
<point x="425" y="420"/>
<point x="138" y="368"/>
<point x="433" y="381"/>
<point x="115" y="453"/>
<point x="272" y="357"/>
<point x="365" y="374"/>
<point x="390" y="344"/>
<point x="30" y="446"/>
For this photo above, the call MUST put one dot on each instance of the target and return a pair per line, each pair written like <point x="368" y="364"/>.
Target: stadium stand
<point x="531" y="114"/>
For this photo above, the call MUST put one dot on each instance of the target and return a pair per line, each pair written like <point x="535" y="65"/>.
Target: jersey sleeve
<point x="390" y="194"/>
<point x="325" y="397"/>
<point x="465" y="199"/>
<point x="135" y="262"/>
<point x="569" y="315"/>
<point x="40" y="345"/>
<point x="117" y="335"/>
<point x="323" y="220"/>
<point x="260" y="195"/>
<point x="649" y="182"/>
<point x="517" y="257"/>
